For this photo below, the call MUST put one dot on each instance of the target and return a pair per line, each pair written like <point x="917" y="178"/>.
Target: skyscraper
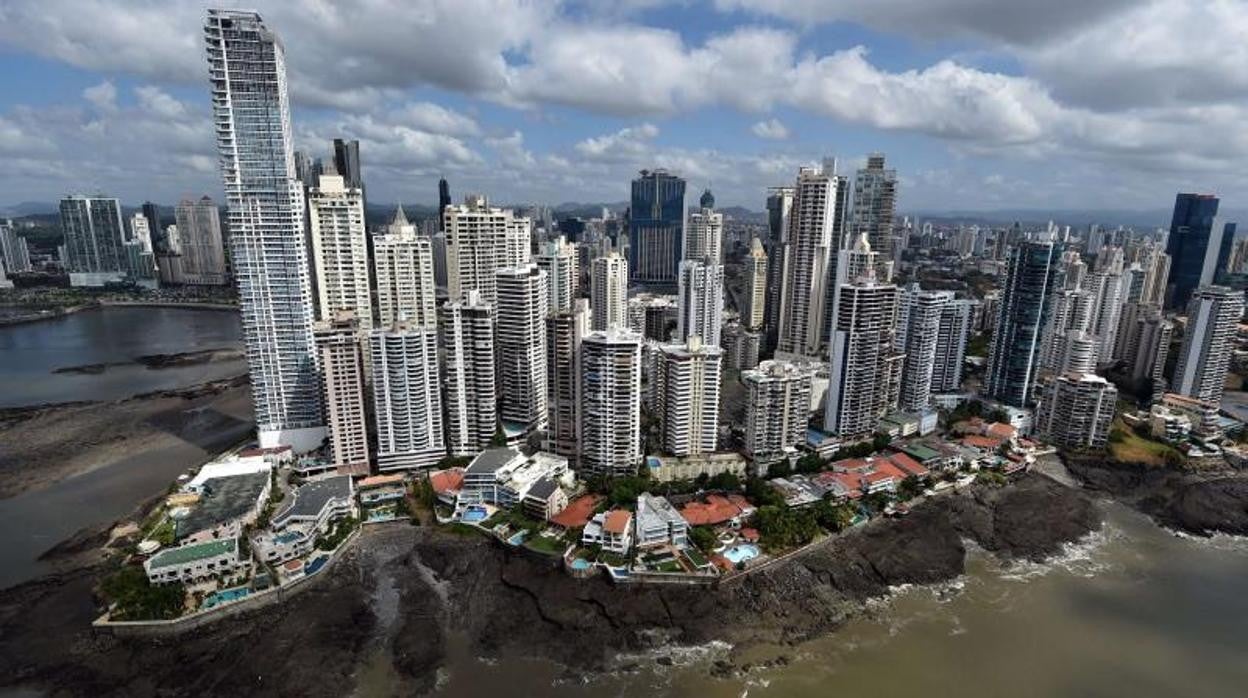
<point x="1076" y="411"/>
<point x="252" y="114"/>
<point x="808" y="261"/>
<point x="609" y="396"/>
<point x="1194" y="245"/>
<point x="94" y="233"/>
<point x="152" y="213"/>
<point x="875" y="200"/>
<point x="14" y="251"/>
<point x="467" y="336"/>
<point x="564" y="331"/>
<point x="690" y="397"/>
<point x="444" y="199"/>
<point x="1213" y="314"/>
<point x="754" y="298"/>
<point x="701" y="301"/>
<point x="608" y="290"/>
<point x="202" y="247"/>
<point x="865" y="367"/>
<point x="342" y="370"/>
<point x="480" y="240"/>
<point x="521" y="336"/>
<point x="347" y="163"/>
<point x="779" y="208"/>
<point x="407" y="396"/>
<point x="918" y="337"/>
<point x="558" y="259"/>
<point x="1021" y="317"/>
<point x="704" y="238"/>
<point x="777" y="408"/>
<point x="340" y="250"/>
<point x="951" y="335"/>
<point x="403" y="267"/>
<point x="656" y="226"/>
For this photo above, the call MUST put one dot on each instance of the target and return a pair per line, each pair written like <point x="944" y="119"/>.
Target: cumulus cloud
<point x="625" y="144"/>
<point x="103" y="96"/>
<point x="771" y="129"/>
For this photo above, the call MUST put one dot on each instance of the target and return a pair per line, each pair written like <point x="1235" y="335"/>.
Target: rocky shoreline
<point x="505" y="604"/>
<point x="156" y="362"/>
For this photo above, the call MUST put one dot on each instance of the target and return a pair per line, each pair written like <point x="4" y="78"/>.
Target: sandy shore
<point x="40" y="446"/>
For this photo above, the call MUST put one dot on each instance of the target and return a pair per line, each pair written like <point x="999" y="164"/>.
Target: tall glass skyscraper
<point x="656" y="226"/>
<point x="94" y="233"/>
<point x="251" y="112"/>
<point x="1194" y="246"/>
<point x="1013" y="354"/>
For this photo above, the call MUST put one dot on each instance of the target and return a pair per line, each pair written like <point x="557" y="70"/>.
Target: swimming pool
<point x="580" y="563"/>
<point x="740" y="553"/>
<point x="312" y="567"/>
<point x="474" y="514"/>
<point x="518" y="538"/>
<point x="226" y="596"/>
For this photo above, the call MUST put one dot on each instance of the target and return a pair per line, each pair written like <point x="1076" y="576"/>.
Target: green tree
<point x="136" y="598"/>
<point x="911" y="487"/>
<point x="704" y="538"/>
<point x="724" y="481"/>
<point x="762" y="494"/>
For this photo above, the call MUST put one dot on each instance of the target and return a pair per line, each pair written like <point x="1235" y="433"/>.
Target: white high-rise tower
<point x="608" y="290"/>
<point x="403" y="263"/>
<point x="251" y="112"/>
<point x="480" y="240"/>
<point x="340" y="250"/>
<point x="609" y="399"/>
<point x="521" y="338"/>
<point x="701" y="301"/>
<point x="467" y="334"/>
<point x="810" y="245"/>
<point x="1208" y="342"/>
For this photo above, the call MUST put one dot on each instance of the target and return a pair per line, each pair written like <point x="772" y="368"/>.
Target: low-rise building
<point x="503" y="476"/>
<point x="669" y="468"/>
<point x="545" y="499"/>
<point x="197" y="562"/>
<point x="380" y="489"/>
<point x="447" y="485"/>
<point x="717" y="509"/>
<point x="222" y="506"/>
<point x="1168" y="424"/>
<point x="301" y="521"/>
<point x="612" y="530"/>
<point x="658" y="523"/>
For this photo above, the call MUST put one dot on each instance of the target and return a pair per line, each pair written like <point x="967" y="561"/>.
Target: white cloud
<point x="626" y="144"/>
<point x="103" y="96"/>
<point x="771" y="129"/>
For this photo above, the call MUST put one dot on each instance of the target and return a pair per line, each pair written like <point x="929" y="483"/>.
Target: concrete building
<point x="505" y="476"/>
<point x="777" y="409"/>
<point x="779" y="210"/>
<point x="700" y="302"/>
<point x="198" y="562"/>
<point x="520" y="334"/>
<point x="342" y="370"/>
<point x="611" y="530"/>
<point x="564" y="332"/>
<point x="94" y="233"/>
<point x="654" y="316"/>
<point x="558" y="259"/>
<point x="688" y="376"/>
<point x="407" y="397"/>
<point x="704" y="236"/>
<point x="14" y="251"/>
<point x="1213" y="315"/>
<point x="201" y="243"/>
<point x="340" y="250"/>
<point x="741" y="346"/>
<point x="918" y="334"/>
<point x="1076" y="411"/>
<point x="658" y="523"/>
<point x="656" y="226"/>
<point x="608" y="290"/>
<point x="808" y="263"/>
<point x="1144" y="342"/>
<point x="312" y="512"/>
<point x="609" y="399"/>
<point x="467" y="337"/>
<point x="956" y="319"/>
<point x="875" y="200"/>
<point x="1023" y="312"/>
<point x="480" y="240"/>
<point x="251" y="110"/>
<point x="754" y="298"/>
<point x="404" y="269"/>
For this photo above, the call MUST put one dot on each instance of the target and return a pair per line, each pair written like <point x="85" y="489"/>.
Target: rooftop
<point x="380" y="481"/>
<point x="617" y="521"/>
<point x="222" y="500"/>
<point x="312" y="498"/>
<point x="652" y="510"/>
<point x="492" y="460"/>
<point x="543" y="488"/>
<point x="191" y="553"/>
<point x="447" y="480"/>
<point x="577" y="513"/>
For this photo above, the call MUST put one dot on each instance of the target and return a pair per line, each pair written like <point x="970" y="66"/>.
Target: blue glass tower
<point x="1190" y="244"/>
<point x="656" y="227"/>
<point x="1030" y="273"/>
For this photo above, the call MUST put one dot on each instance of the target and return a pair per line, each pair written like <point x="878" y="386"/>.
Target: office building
<point x="404" y="269"/>
<point x="200" y="242"/>
<point x="564" y="331"/>
<point x="1021" y="317"/>
<point x="520" y="334"/>
<point x="407" y="397"/>
<point x="700" y="301"/>
<point x="809" y="261"/>
<point x="1076" y="411"/>
<point x="1195" y="246"/>
<point x="94" y="233"/>
<point x="608" y="291"/>
<point x="480" y="240"/>
<point x="444" y="200"/>
<point x="347" y="163"/>
<point x="251" y="111"/>
<point x="777" y="409"/>
<point x="559" y="260"/>
<point x="467" y="338"/>
<point x="754" y="297"/>
<point x="689" y="384"/>
<point x="609" y="397"/>
<point x="1213" y="316"/>
<point x="875" y="200"/>
<point x="704" y="236"/>
<point x="656" y="227"/>
<point x="342" y="371"/>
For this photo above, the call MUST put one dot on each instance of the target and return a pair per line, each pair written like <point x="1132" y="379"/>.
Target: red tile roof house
<point x="909" y="465"/>
<point x="717" y="509"/>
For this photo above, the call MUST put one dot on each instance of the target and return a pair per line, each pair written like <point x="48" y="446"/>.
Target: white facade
<point x="251" y="112"/>
<point x="94" y="233"/>
<point x="918" y="331"/>
<point x="689" y="383"/>
<point x="340" y="250"/>
<point x="403" y="265"/>
<point x="1076" y="411"/>
<point x="521" y="337"/>
<point x="777" y="408"/>
<point x="956" y="318"/>
<point x="1213" y="315"/>
<point x="342" y="369"/>
<point x="467" y="337"/>
<point x="658" y="523"/>
<point x="809" y="247"/>
<point x="609" y="399"/>
<point x="608" y="288"/>
<point x="704" y="236"/>
<point x="407" y="397"/>
<point x="754" y="298"/>
<point x="559" y="260"/>
<point x="701" y="301"/>
<point x="14" y="252"/>
<point x="480" y="240"/>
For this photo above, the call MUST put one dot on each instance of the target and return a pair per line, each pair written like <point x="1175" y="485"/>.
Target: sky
<point x="978" y="104"/>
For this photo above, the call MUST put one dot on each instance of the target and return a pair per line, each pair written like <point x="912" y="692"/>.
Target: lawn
<point x="542" y="544"/>
<point x="1133" y="448"/>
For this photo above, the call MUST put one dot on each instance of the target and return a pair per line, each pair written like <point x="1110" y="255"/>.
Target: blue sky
<point x="979" y="104"/>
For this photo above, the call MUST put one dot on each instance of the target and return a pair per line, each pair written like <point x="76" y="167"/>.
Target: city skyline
<point x="490" y="122"/>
